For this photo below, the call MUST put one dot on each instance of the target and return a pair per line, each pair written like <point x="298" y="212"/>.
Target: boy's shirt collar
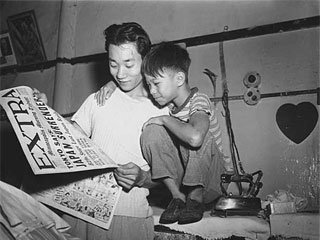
<point x="175" y="110"/>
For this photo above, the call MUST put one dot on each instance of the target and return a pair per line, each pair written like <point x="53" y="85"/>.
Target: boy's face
<point x="125" y="63"/>
<point x="164" y="89"/>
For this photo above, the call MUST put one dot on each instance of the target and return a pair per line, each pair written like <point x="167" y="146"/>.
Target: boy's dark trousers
<point x="168" y="157"/>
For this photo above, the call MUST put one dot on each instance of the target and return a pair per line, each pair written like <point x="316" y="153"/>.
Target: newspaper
<point x="50" y="142"/>
<point x="53" y="145"/>
<point x="92" y="199"/>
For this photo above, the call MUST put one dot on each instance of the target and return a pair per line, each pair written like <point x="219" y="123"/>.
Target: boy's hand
<point x="41" y="96"/>
<point x="129" y="175"/>
<point x="105" y="92"/>
<point x="154" y="120"/>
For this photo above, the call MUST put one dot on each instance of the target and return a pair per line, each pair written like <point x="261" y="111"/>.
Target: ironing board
<point x="214" y="227"/>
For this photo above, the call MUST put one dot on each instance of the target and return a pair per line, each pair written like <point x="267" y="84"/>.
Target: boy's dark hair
<point x="163" y="56"/>
<point x="129" y="32"/>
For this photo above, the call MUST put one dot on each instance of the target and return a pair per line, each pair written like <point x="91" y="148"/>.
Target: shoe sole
<point x="167" y="221"/>
<point x="188" y="221"/>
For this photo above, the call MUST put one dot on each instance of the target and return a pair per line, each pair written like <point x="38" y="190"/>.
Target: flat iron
<point x="246" y="202"/>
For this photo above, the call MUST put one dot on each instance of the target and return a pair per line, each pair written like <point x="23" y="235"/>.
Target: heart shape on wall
<point x="296" y="122"/>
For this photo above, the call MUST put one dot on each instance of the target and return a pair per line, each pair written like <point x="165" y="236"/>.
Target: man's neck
<point x="138" y="93"/>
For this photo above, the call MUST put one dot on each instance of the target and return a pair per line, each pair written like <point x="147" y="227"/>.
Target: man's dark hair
<point x="129" y="32"/>
<point x="164" y="56"/>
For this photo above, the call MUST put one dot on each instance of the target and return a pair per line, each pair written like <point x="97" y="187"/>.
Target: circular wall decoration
<point x="252" y="96"/>
<point x="252" y="79"/>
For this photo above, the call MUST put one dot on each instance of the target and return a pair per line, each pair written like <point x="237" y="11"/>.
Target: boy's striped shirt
<point x="199" y="102"/>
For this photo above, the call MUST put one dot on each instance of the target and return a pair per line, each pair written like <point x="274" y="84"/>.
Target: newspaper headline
<point x="50" y="142"/>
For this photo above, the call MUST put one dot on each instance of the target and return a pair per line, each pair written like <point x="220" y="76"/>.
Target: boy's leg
<point x="202" y="176"/>
<point x="204" y="168"/>
<point x="161" y="152"/>
<point x="212" y="189"/>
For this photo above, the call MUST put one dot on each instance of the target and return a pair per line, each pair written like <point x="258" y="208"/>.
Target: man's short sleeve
<point x="83" y="117"/>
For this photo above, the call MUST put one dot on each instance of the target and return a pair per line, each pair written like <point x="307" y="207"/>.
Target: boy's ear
<point x="181" y="78"/>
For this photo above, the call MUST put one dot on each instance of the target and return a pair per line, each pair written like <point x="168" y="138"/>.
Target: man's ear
<point x="181" y="78"/>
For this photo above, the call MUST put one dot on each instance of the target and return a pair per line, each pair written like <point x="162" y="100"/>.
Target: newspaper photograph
<point x="50" y="143"/>
<point x="92" y="199"/>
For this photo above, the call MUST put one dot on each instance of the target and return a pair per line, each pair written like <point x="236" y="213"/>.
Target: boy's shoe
<point x="192" y="213"/>
<point x="172" y="213"/>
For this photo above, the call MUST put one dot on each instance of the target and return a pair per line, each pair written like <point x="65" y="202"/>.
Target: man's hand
<point x="41" y="96"/>
<point x="130" y="175"/>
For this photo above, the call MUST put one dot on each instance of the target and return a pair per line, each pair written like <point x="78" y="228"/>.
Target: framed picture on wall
<point x="7" y="57"/>
<point x="26" y="38"/>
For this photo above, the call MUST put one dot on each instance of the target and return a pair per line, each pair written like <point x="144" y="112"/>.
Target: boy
<point x="181" y="148"/>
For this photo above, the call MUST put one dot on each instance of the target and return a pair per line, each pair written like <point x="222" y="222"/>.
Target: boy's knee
<point x="153" y="133"/>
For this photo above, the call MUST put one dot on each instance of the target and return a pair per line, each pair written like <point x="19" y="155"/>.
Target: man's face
<point x="125" y="63"/>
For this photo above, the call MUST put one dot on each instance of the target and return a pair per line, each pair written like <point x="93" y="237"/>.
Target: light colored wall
<point x="286" y="62"/>
<point x="171" y="20"/>
<point x="47" y="15"/>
